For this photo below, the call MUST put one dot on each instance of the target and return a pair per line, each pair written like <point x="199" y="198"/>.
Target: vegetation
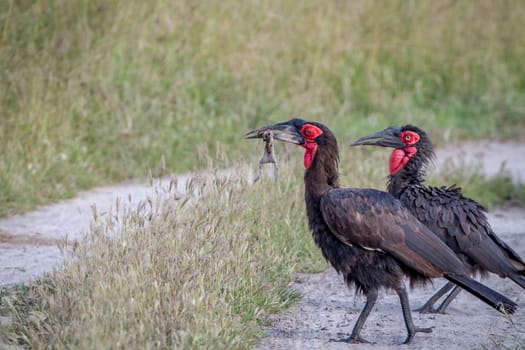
<point x="93" y="92"/>
<point x="181" y="273"/>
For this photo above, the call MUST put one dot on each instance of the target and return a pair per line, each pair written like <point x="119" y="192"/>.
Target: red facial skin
<point x="401" y="156"/>
<point x="310" y="133"/>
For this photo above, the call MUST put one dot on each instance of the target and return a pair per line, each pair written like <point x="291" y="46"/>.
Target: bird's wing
<point x="375" y="220"/>
<point x="461" y="223"/>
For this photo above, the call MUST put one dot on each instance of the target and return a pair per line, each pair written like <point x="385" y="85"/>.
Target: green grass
<point x="93" y="92"/>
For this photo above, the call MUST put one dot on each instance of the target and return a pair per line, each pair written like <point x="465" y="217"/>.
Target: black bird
<point x="458" y="221"/>
<point x="367" y="235"/>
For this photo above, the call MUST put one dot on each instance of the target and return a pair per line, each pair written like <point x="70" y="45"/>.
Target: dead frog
<point x="268" y="155"/>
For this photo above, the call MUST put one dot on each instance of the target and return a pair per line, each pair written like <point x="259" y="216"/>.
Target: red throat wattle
<point x="310" y="133"/>
<point x="311" y="148"/>
<point x="400" y="157"/>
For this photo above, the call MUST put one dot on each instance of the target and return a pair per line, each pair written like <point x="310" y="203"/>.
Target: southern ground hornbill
<point x="367" y="235"/>
<point x="457" y="220"/>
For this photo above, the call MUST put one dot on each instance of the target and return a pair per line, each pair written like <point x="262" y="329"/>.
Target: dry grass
<point x="182" y="273"/>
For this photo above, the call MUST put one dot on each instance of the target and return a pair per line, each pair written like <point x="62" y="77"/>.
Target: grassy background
<point x="95" y="91"/>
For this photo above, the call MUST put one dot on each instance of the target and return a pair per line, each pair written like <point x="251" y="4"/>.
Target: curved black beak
<point x="386" y="138"/>
<point x="286" y="132"/>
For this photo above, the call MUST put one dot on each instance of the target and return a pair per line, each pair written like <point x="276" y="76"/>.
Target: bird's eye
<point x="311" y="131"/>
<point x="409" y="137"/>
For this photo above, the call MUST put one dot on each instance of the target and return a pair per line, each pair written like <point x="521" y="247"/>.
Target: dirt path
<point x="29" y="243"/>
<point x="28" y="248"/>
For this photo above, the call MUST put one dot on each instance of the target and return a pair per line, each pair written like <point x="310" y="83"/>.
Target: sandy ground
<point x="29" y="247"/>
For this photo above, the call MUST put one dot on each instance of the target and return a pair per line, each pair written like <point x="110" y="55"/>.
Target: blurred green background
<point x="93" y="92"/>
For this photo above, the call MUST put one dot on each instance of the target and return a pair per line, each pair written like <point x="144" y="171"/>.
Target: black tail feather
<point x="489" y="296"/>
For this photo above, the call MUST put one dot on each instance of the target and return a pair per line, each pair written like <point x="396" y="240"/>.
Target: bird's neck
<point x="322" y="176"/>
<point x="318" y="179"/>
<point x="398" y="183"/>
<point x="412" y="173"/>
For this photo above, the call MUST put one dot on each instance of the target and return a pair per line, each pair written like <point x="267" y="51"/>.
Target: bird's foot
<point x="411" y="335"/>
<point x="352" y="340"/>
<point x="441" y="311"/>
<point x="427" y="309"/>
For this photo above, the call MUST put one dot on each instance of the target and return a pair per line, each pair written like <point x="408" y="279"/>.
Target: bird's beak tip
<point x="252" y="135"/>
<point x="281" y="131"/>
<point x="355" y="143"/>
<point x="365" y="141"/>
<point x="384" y="138"/>
<point x="257" y="133"/>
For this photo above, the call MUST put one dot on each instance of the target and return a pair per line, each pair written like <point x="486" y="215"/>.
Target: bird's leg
<point x="268" y="155"/>
<point x="355" y="337"/>
<point x="428" y="307"/>
<point x="441" y="309"/>
<point x="411" y="328"/>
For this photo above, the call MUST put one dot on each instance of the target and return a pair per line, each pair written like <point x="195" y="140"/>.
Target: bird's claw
<point x="430" y="310"/>
<point x="411" y="336"/>
<point x="426" y="309"/>
<point x="424" y="330"/>
<point x="352" y="340"/>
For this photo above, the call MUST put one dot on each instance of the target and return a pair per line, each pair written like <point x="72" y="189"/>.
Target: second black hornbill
<point x="367" y="235"/>
<point x="458" y="221"/>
